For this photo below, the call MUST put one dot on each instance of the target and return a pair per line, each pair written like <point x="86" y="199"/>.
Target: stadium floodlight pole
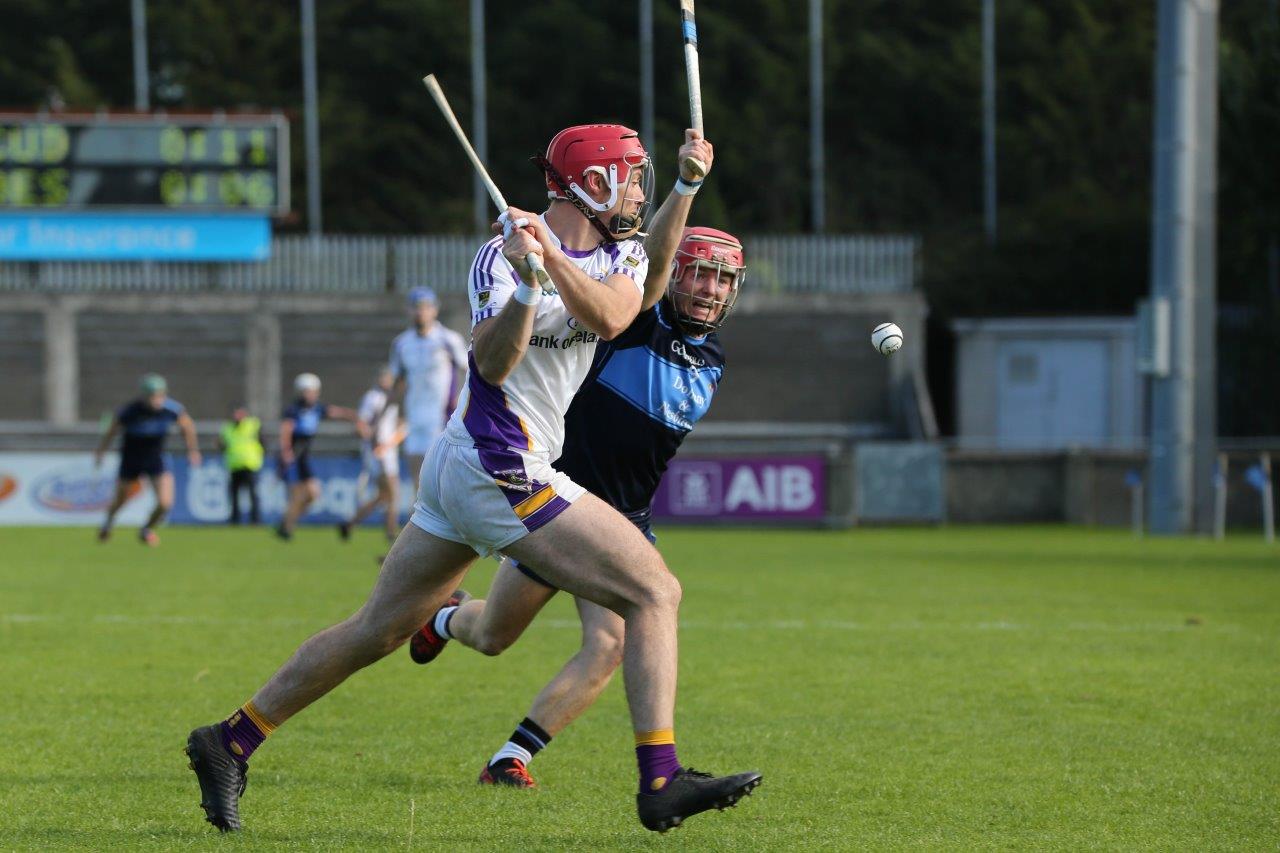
<point x="141" y="74"/>
<point x="646" y="74"/>
<point x="1268" y="499"/>
<point x="479" y="113"/>
<point x="989" y="118"/>
<point x="499" y="200"/>
<point x="1183" y="397"/>
<point x="311" y="111"/>
<point x="1205" y="295"/>
<point x="817" y="149"/>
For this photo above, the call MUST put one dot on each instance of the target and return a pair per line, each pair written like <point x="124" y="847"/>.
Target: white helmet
<point x="306" y="382"/>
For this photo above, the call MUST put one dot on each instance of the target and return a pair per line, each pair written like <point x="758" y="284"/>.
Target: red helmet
<point x="710" y="249"/>
<point x="612" y="151"/>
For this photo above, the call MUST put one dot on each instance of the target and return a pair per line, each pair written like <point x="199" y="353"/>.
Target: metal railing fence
<point x="856" y="264"/>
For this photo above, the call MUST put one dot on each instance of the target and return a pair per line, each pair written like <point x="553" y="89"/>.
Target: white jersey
<point x="527" y="411"/>
<point x="427" y="363"/>
<point x="381" y="418"/>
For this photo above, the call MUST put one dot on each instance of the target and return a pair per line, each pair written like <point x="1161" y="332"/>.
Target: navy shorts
<point x="299" y="471"/>
<point x="152" y="465"/>
<point x="643" y="522"/>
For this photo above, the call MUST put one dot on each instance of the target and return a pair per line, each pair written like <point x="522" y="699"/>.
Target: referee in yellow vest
<point x="241" y="443"/>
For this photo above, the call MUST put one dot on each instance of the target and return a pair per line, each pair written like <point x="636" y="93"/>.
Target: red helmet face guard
<point x="613" y="152"/>
<point x="707" y="252"/>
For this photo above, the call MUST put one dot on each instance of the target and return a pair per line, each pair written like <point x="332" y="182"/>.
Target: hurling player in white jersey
<point x="487" y="485"/>
<point x="427" y="361"/>
<point x="380" y="454"/>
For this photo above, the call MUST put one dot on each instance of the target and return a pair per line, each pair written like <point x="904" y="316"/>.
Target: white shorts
<point x="387" y="464"/>
<point x="421" y="438"/>
<point x="488" y="498"/>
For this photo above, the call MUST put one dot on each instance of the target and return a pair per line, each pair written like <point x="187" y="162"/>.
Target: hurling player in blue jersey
<point x="145" y="423"/>
<point x="646" y="390"/>
<point x="298" y="427"/>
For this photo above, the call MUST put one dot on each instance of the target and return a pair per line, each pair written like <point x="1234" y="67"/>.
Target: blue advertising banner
<point x="66" y="488"/>
<point x="134" y="237"/>
<point x="200" y="494"/>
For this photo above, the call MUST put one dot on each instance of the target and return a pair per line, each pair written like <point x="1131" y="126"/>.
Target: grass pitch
<point x="959" y="688"/>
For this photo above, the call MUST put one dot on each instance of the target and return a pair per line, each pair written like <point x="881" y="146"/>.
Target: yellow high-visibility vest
<point x="244" y="450"/>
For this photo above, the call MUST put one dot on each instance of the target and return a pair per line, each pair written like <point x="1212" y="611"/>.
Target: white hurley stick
<point x="694" y="75"/>
<point x="534" y="262"/>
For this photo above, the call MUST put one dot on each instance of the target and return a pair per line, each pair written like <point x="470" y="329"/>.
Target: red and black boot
<point x="426" y="645"/>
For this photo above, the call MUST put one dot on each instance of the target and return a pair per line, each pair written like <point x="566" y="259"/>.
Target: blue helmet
<point x="421" y="294"/>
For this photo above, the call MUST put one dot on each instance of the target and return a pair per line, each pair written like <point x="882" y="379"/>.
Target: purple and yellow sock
<point x="244" y="731"/>
<point x="656" y="755"/>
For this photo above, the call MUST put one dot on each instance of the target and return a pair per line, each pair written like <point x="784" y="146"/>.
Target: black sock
<point x="526" y="741"/>
<point x="530" y="736"/>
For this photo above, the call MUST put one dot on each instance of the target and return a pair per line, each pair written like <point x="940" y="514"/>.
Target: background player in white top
<point x="380" y="454"/>
<point x="427" y="362"/>
<point x="488" y="485"/>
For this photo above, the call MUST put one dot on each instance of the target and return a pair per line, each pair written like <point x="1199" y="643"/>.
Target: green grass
<point x="1039" y="688"/>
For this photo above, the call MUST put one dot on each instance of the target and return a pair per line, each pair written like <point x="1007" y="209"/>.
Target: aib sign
<point x="749" y="488"/>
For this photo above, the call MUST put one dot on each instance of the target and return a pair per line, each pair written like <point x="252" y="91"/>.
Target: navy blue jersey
<point x="646" y="389"/>
<point x="145" y="428"/>
<point x="306" y="422"/>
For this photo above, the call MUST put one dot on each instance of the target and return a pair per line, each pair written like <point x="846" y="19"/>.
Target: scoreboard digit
<point x="179" y="163"/>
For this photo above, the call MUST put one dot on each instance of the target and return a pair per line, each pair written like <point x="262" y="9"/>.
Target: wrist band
<point x="687" y="187"/>
<point x="527" y="295"/>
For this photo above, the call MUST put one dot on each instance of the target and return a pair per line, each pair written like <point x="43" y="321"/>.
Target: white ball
<point x="887" y="338"/>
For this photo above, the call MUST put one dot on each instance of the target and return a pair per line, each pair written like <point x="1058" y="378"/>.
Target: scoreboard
<point x="151" y="163"/>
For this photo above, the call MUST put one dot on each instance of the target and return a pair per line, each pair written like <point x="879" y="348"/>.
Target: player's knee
<point x="492" y="643"/>
<point x="377" y="639"/>
<point x="661" y="590"/>
<point x="372" y="635"/>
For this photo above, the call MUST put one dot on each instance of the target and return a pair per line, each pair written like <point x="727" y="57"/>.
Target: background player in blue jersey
<point x="646" y="390"/>
<point x="145" y="423"/>
<point x="298" y="427"/>
<point x="428" y="362"/>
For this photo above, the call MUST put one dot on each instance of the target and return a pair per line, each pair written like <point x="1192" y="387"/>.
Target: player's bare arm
<point x="105" y="444"/>
<point x="459" y="377"/>
<point x="397" y="438"/>
<point x="286" y="441"/>
<point x="606" y="310"/>
<point x="188" y="428"/>
<point x="498" y="343"/>
<point x="395" y="396"/>
<point x="668" y="223"/>
<point x="342" y="413"/>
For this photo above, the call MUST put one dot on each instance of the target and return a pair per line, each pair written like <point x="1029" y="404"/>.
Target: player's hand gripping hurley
<point x="694" y="76"/>
<point x="534" y="262"/>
